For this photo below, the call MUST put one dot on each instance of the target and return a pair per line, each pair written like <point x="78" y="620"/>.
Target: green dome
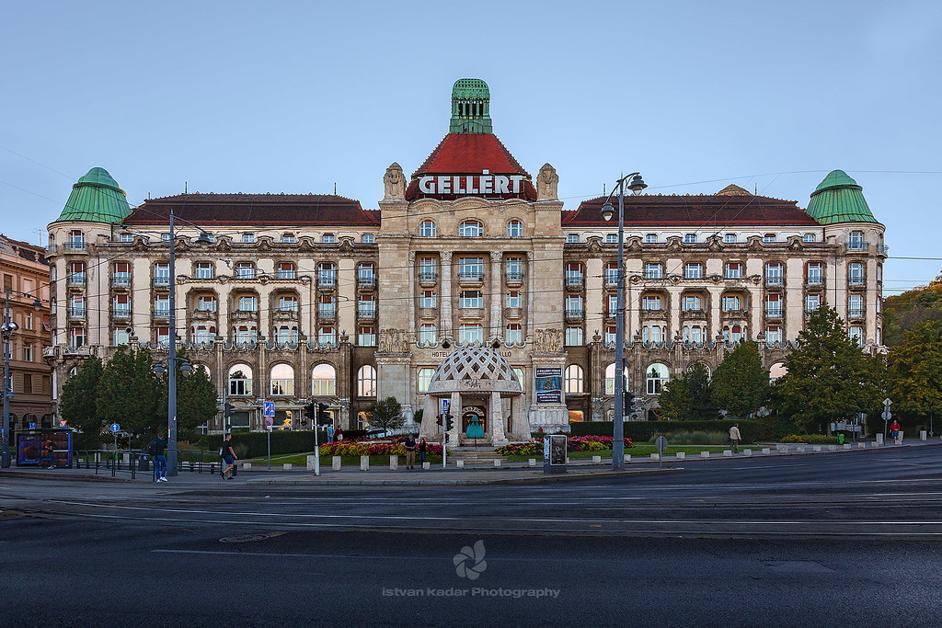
<point x="96" y="197"/>
<point x="838" y="198"/>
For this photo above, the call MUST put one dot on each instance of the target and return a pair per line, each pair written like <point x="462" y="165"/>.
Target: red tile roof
<point x="256" y="209"/>
<point x="693" y="210"/>
<point x="470" y="154"/>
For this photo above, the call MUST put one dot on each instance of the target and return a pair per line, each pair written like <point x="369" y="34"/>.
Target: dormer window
<point x="650" y="238"/>
<point x="329" y="238"/>
<point x="288" y="238"/>
<point x="368" y="238"/>
<point x="768" y="238"/>
<point x="690" y="238"/>
<point x="248" y="238"/>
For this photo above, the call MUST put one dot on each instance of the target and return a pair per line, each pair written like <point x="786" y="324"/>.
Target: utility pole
<point x="172" y="363"/>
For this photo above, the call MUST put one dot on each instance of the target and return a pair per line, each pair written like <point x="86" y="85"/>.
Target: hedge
<point x="764" y="429"/>
<point x="256" y="443"/>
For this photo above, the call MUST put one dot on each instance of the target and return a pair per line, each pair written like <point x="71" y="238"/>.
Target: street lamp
<point x="636" y="184"/>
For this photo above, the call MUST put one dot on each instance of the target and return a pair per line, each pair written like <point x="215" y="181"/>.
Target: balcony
<point x="574" y="313"/>
<point x="574" y="280"/>
<point x="76" y="279"/>
<point x="471" y="278"/>
<point x="161" y="311"/>
<point x="366" y="310"/>
<point x="286" y="274"/>
<point x="75" y="246"/>
<point x="653" y="313"/>
<point x="774" y="281"/>
<point x="326" y="281"/>
<point x="735" y="314"/>
<point x="428" y="278"/>
<point x="858" y="246"/>
<point x="773" y="312"/>
<point x="513" y="278"/>
<point x="855" y="282"/>
<point x="883" y="249"/>
<point x="326" y="311"/>
<point x="121" y="280"/>
<point x="77" y="313"/>
<point x="611" y="279"/>
<point x="245" y="273"/>
<point x="693" y="313"/>
<point x="162" y="281"/>
<point x="121" y="313"/>
<point x="244" y="315"/>
<point x="366" y="281"/>
<point x="814" y="282"/>
<point x="856" y="313"/>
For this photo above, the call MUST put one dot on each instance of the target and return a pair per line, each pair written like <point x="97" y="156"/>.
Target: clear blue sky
<point x="286" y="97"/>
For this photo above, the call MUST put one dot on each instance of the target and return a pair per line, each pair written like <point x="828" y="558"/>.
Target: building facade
<point x="26" y="293"/>
<point x="312" y="296"/>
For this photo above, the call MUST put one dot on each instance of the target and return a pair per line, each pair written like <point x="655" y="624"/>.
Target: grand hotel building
<point x="307" y="295"/>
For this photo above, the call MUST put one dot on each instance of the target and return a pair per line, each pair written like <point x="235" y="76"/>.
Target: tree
<point x="829" y="378"/>
<point x="914" y="371"/>
<point x="741" y="384"/>
<point x="129" y="392"/>
<point x="78" y="402"/>
<point x="386" y="414"/>
<point x="196" y="398"/>
<point x="675" y="400"/>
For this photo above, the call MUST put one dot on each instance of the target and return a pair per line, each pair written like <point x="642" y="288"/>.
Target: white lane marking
<point x="511" y="519"/>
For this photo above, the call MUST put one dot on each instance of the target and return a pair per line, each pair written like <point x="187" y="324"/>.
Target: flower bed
<point x="372" y="448"/>
<point x="575" y="443"/>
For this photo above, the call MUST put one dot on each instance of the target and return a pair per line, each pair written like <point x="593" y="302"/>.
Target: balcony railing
<point x="858" y="246"/>
<point x="326" y="280"/>
<point x="574" y="280"/>
<point x="73" y="246"/>
<point x="366" y="310"/>
<point x="366" y="280"/>
<point x="121" y="313"/>
<point x="325" y="310"/>
<point x="855" y="281"/>
<point x="513" y="276"/>
<point x="774" y="280"/>
<point x="287" y="308"/>
<point x="428" y="277"/>
<point x="814" y="281"/>
<point x="76" y="279"/>
<point x="611" y="279"/>
<point x="121" y="280"/>
<point x="161" y="281"/>
<point x="855" y="313"/>
<point x="470" y="275"/>
<point x="77" y="313"/>
<point x="773" y="312"/>
<point x="161" y="311"/>
<point x="286" y="274"/>
<point x="574" y="313"/>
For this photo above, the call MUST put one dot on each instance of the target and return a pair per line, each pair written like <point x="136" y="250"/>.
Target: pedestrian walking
<point x="410" y="445"/>
<point x="49" y="453"/>
<point x="735" y="438"/>
<point x="423" y="449"/>
<point x="229" y="458"/>
<point x="895" y="428"/>
<point x="339" y="435"/>
<point x="330" y="433"/>
<point x="157" y="452"/>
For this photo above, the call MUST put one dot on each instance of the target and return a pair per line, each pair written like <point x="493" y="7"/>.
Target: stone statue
<point x="394" y="183"/>
<point x="392" y="341"/>
<point x="546" y="183"/>
<point x="548" y="341"/>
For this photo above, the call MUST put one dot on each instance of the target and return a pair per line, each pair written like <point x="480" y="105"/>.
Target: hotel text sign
<point x="466" y="185"/>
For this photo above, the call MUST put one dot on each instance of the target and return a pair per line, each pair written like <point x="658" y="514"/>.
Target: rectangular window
<point x="855" y="274"/>
<point x="288" y="238"/>
<point x="731" y="303"/>
<point x="572" y="238"/>
<point x="366" y="337"/>
<point x="611" y="334"/>
<point x="248" y="304"/>
<point x="611" y="238"/>
<point x="326" y="275"/>
<point x="773" y="305"/>
<point x="855" y="241"/>
<point x="812" y="302"/>
<point x="690" y="238"/>
<point x="366" y="308"/>
<point x="513" y="299"/>
<point x="470" y="299"/>
<point x="653" y="270"/>
<point x="734" y="270"/>
<point x="613" y="305"/>
<point x="366" y="275"/>
<point x="470" y="334"/>
<point x="326" y="336"/>
<point x="161" y="274"/>
<point x="162" y="306"/>
<point x="815" y="274"/>
<point x="162" y="335"/>
<point x="729" y="238"/>
<point x="855" y="333"/>
<point x="428" y="299"/>
<point x="121" y="306"/>
<point x="204" y="270"/>
<point x="773" y="334"/>
<point x="692" y="303"/>
<point x="573" y="306"/>
<point x="121" y="337"/>
<point x="245" y="270"/>
<point x="121" y="276"/>
<point x="574" y="337"/>
<point x="650" y="238"/>
<point x="774" y="274"/>
<point x="514" y="334"/>
<point x="248" y="238"/>
<point x="573" y="275"/>
<point x="855" y="306"/>
<point x="514" y="268"/>
<point x="326" y="306"/>
<point x="768" y="238"/>
<point x="205" y="303"/>
<point x="329" y="238"/>
<point x="471" y="268"/>
<point x="611" y="274"/>
<point x="651" y="303"/>
<point x="287" y="303"/>
<point x="693" y="271"/>
<point x="428" y="269"/>
<point x="28" y="352"/>
<point x="428" y="334"/>
<point x="809" y="237"/>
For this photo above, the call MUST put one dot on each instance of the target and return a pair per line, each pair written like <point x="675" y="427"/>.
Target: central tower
<point x="470" y="107"/>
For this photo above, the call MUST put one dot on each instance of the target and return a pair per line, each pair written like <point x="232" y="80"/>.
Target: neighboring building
<point x="26" y="284"/>
<point x="312" y="295"/>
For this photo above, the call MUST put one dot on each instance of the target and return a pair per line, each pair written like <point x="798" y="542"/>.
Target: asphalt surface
<point x="838" y="539"/>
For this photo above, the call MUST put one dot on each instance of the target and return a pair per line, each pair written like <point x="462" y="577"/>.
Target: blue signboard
<point x="268" y="408"/>
<point x="115" y="428"/>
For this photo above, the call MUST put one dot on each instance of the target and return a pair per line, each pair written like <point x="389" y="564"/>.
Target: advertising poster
<point x="549" y="385"/>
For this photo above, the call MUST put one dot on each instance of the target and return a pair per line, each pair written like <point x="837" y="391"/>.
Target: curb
<point x="31" y="475"/>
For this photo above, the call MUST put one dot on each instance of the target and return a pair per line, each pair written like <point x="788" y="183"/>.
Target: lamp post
<point x="636" y="184"/>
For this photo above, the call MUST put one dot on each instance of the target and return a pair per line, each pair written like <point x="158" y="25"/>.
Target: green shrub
<point x="696" y="438"/>
<point x="811" y="439"/>
<point x="753" y="430"/>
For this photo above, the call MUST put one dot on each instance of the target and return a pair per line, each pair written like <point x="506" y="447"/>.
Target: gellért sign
<point x="462" y="184"/>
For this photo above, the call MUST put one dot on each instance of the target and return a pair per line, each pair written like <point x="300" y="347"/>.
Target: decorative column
<point x="455" y="411"/>
<point x="446" y="294"/>
<point x="496" y="421"/>
<point x="496" y="293"/>
<point x="413" y="332"/>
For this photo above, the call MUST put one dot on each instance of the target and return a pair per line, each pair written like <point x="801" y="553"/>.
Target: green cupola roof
<point x="96" y="197"/>
<point x="839" y="199"/>
<point x="470" y="107"/>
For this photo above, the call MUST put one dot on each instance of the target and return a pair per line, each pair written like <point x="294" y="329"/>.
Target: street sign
<point x="268" y="408"/>
<point x="445" y="404"/>
<point x="887" y="402"/>
<point x="661" y="444"/>
<point x="32" y="425"/>
<point x="115" y="428"/>
<point x="269" y="421"/>
<point x="887" y="415"/>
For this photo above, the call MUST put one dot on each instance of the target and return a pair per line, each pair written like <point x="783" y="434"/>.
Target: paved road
<point x="841" y="539"/>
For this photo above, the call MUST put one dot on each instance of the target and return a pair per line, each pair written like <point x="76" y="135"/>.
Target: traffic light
<point x="310" y="413"/>
<point x="629" y="403"/>
<point x="322" y="418"/>
<point x="227" y="410"/>
<point x="449" y="422"/>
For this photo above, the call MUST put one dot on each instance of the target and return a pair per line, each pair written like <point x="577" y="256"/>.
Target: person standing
<point x="409" y="444"/>
<point x="895" y="428"/>
<point x="229" y="458"/>
<point x="330" y="433"/>
<point x="423" y="449"/>
<point x="157" y="450"/>
<point x="735" y="438"/>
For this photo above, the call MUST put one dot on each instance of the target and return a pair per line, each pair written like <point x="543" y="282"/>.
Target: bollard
<point x="816" y="448"/>
<point x="393" y="463"/>
<point x="923" y="435"/>
<point x="655" y="457"/>
<point x="309" y="462"/>
<point x="497" y="462"/>
<point x="704" y="454"/>
<point x="426" y="466"/>
<point x="364" y="463"/>
<point x="245" y="466"/>
<point x="747" y="452"/>
<point x="627" y="457"/>
<point x="728" y="453"/>
<point x="596" y="459"/>
<point x="459" y="464"/>
<point x="531" y="462"/>
<point x="848" y="446"/>
<point x="832" y="447"/>
<point x="336" y="462"/>
<point x="879" y="439"/>
<point x="861" y="445"/>
<point x="766" y="451"/>
<point x="285" y="467"/>
<point x="680" y="455"/>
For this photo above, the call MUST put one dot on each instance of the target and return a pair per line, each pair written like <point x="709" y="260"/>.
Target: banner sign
<point x="460" y="184"/>
<point x="549" y="385"/>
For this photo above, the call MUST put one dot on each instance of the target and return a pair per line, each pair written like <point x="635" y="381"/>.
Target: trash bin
<point x="840" y="438"/>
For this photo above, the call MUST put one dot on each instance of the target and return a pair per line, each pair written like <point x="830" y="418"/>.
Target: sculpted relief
<point x="548" y="340"/>
<point x="546" y="184"/>
<point x="394" y="183"/>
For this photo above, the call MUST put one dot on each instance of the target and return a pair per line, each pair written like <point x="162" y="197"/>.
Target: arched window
<point x="471" y="229"/>
<point x="425" y="379"/>
<point x="514" y="229"/>
<point x="366" y="381"/>
<point x="282" y="379"/>
<point x="610" y="379"/>
<point x="324" y="381"/>
<point x="658" y="375"/>
<point x="427" y="229"/>
<point x="240" y="380"/>
<point x="574" y="379"/>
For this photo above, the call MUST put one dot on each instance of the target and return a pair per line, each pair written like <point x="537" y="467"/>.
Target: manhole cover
<point x="249" y="538"/>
